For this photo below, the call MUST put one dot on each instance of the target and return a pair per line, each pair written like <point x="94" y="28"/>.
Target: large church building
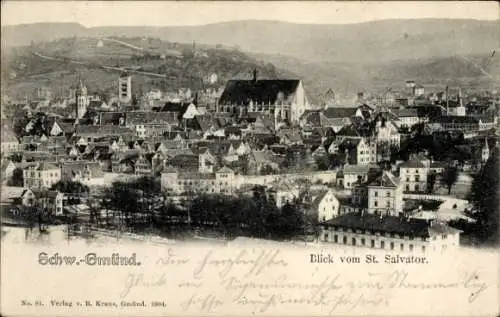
<point x="283" y="99"/>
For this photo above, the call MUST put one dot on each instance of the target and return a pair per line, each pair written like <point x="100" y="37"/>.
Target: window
<point x="363" y="241"/>
<point x="423" y="248"/>
<point x="336" y="238"/>
<point x="388" y="204"/>
<point x="382" y="244"/>
<point x="411" y="247"/>
<point x="344" y="240"/>
<point x="375" y="203"/>
<point x="353" y="241"/>
<point x="373" y="244"/>
<point x="375" y="194"/>
<point x="417" y="178"/>
<point x="401" y="246"/>
<point x="392" y="245"/>
<point x="388" y="194"/>
<point x="326" y="236"/>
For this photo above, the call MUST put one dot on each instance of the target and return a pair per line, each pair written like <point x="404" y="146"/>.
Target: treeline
<point x="141" y="205"/>
<point x="485" y="196"/>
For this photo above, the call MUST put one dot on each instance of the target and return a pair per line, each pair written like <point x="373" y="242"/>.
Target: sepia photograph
<point x="266" y="158"/>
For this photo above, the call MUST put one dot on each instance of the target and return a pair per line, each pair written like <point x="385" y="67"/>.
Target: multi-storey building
<point x="178" y="184"/>
<point x="42" y="175"/>
<point x="385" y="195"/>
<point x="413" y="175"/>
<point x="395" y="233"/>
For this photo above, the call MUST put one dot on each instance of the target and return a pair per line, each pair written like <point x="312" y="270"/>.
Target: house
<point x="150" y="123"/>
<point x="310" y="119"/>
<point x="58" y="126"/>
<point x="81" y="171"/>
<point x="413" y="175"/>
<point x="338" y="118"/>
<point x="395" y="233"/>
<point x="385" y="129"/>
<point x="385" y="195"/>
<point x="260" y="161"/>
<point x="42" y="175"/>
<point x="283" y="194"/>
<point x="220" y="182"/>
<point x="359" y="151"/>
<point x="325" y="205"/>
<point x="92" y="132"/>
<point x="353" y="175"/>
<point x="49" y="200"/>
<point x="8" y="168"/>
<point x="289" y="136"/>
<point x="9" y="142"/>
<point x="143" y="166"/>
<point x="207" y="162"/>
<point x="283" y="99"/>
<point x="406" y="118"/>
<point x="187" y="162"/>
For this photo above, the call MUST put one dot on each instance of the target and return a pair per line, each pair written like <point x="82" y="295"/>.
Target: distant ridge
<point x="368" y="42"/>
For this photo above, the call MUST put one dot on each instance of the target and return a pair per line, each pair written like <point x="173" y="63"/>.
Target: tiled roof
<point x="357" y="169"/>
<point x="111" y="117"/>
<point x="413" y="164"/>
<point x="95" y="130"/>
<point x="312" y="117"/>
<point x="318" y="198"/>
<point x="150" y="117"/>
<point x="345" y="112"/>
<point x="386" y="179"/>
<point x="406" y="112"/>
<point x="390" y="224"/>
<point x="45" y="166"/>
<point x="241" y="92"/>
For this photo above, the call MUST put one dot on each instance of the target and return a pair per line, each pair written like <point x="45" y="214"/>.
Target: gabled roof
<point x="386" y="179"/>
<point x="264" y="91"/>
<point x="312" y="117"/>
<point x="225" y="169"/>
<point x="318" y="198"/>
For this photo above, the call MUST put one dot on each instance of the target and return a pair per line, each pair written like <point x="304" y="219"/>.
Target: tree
<point x="431" y="181"/>
<point x="322" y="162"/>
<point x="450" y="176"/>
<point x="17" y="178"/>
<point x="485" y="196"/>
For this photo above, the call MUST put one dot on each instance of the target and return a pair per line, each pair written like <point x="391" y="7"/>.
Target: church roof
<point x="264" y="91"/>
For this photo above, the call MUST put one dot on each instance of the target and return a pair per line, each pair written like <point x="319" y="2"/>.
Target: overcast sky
<point x="157" y="13"/>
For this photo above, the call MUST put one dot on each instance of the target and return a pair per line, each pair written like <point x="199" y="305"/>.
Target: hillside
<point x="184" y="68"/>
<point x="370" y="42"/>
<point x="434" y="73"/>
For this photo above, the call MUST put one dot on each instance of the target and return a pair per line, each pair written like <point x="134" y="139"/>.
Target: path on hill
<point x="123" y="43"/>
<point x="112" y="68"/>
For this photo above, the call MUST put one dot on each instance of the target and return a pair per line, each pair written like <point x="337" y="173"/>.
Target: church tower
<point x="82" y="100"/>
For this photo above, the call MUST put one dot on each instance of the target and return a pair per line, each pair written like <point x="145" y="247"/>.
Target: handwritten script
<point x="263" y="280"/>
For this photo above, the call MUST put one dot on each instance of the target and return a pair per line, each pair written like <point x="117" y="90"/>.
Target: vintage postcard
<point x="242" y="158"/>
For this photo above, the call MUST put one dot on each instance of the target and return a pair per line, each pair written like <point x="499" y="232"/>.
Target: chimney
<point x="255" y="75"/>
